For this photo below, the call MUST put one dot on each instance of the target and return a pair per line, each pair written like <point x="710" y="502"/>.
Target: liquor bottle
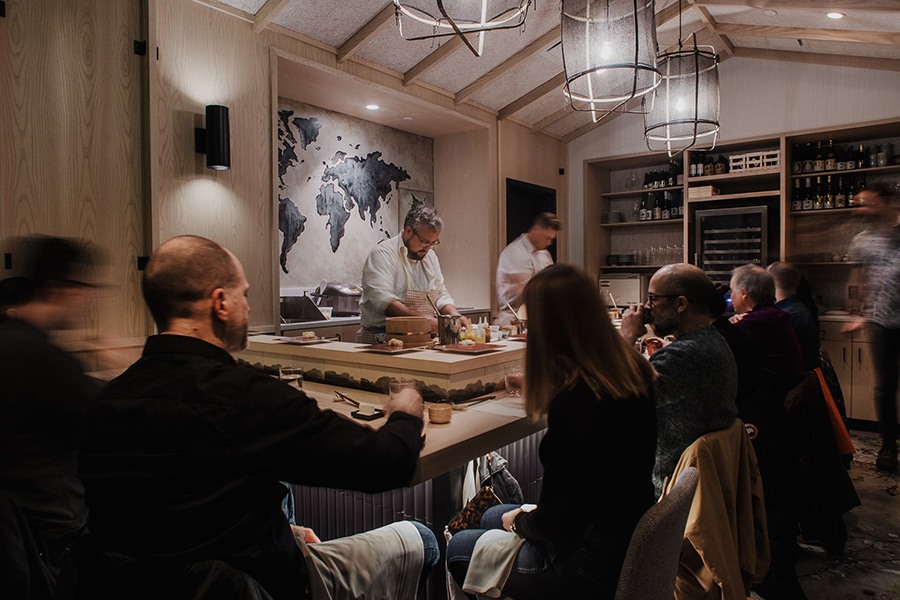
<point x="819" y="162"/>
<point x="796" y="160"/>
<point x="679" y="204"/>
<point x="642" y="213"/>
<point x="861" y="157"/>
<point x="829" y="194"/>
<point x="830" y="160"/>
<point x="796" y="196"/>
<point x="667" y="205"/>
<point x="852" y="190"/>
<point x="820" y="194"/>
<point x="840" y="197"/>
<point x="708" y="166"/>
<point x="808" y="194"/>
<point x="657" y="207"/>
<point x="679" y="173"/>
<point x="873" y="156"/>
<point x="842" y="157"/>
<point x="808" y="155"/>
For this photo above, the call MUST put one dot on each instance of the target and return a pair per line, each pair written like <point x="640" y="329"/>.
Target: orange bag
<point x="841" y="435"/>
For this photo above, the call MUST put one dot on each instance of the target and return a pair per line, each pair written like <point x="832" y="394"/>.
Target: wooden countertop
<point x="470" y="433"/>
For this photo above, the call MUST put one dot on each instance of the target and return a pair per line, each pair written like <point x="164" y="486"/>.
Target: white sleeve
<point x="444" y="298"/>
<point x="379" y="279"/>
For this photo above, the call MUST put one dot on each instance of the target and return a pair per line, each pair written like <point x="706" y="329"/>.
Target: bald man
<point x="186" y="449"/>
<point x="697" y="383"/>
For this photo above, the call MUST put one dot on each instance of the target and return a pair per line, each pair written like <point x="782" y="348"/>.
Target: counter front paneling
<point x="440" y="375"/>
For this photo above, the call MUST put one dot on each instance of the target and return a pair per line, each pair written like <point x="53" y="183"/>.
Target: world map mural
<point x="339" y="181"/>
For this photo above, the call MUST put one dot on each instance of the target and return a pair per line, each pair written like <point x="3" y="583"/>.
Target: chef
<point x="519" y="261"/>
<point x="402" y="278"/>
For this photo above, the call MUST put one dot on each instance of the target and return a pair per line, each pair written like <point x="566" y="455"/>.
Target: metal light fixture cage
<point x="685" y="111"/>
<point x="609" y="53"/>
<point x="427" y="19"/>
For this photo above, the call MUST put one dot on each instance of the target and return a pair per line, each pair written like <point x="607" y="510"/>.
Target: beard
<point x="663" y="326"/>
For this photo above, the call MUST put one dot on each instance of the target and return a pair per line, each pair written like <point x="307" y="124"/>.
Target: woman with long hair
<point x="597" y="453"/>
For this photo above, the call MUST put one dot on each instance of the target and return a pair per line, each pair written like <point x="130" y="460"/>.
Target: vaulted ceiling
<point x="520" y="73"/>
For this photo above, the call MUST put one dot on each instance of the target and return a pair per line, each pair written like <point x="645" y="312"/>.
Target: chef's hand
<point x="434" y="325"/>
<point x="509" y="518"/>
<point x="408" y="401"/>
<point x="306" y="534"/>
<point x="854" y="325"/>
<point x="633" y="324"/>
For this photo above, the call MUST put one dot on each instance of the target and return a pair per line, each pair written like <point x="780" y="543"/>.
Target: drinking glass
<point x="395" y="386"/>
<point x="512" y="378"/>
<point x="292" y="376"/>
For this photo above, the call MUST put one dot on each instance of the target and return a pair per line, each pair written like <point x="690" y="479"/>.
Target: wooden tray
<point x="470" y="348"/>
<point x="385" y="349"/>
<point x="305" y="342"/>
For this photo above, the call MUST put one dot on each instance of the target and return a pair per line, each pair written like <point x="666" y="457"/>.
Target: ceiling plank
<point x="553" y="118"/>
<point x="535" y="47"/>
<point x="817" y="5"/>
<point x="811" y="58"/>
<point x="555" y="82"/>
<point x="724" y="42"/>
<point x="366" y="32"/>
<point x="433" y="59"/>
<point x="890" y="38"/>
<point x="267" y="13"/>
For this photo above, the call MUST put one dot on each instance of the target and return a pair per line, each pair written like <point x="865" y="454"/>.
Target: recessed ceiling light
<point x="407" y="118"/>
<point x="770" y="13"/>
<point x="835" y="15"/>
<point x="372" y="106"/>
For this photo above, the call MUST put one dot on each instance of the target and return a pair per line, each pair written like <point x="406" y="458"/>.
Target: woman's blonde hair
<point x="571" y="337"/>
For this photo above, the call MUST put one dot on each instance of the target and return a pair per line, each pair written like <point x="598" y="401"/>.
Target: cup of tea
<point x="439" y="413"/>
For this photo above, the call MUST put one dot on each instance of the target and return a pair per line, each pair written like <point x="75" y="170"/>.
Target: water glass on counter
<point x="513" y="377"/>
<point x="293" y="376"/>
<point x="395" y="386"/>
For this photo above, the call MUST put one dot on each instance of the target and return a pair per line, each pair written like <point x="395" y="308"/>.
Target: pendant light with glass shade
<point x="683" y="111"/>
<point x="609" y="54"/>
<point x="428" y="19"/>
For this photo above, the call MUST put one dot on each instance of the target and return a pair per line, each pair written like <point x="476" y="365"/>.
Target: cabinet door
<point x="863" y="385"/>
<point x="840" y="353"/>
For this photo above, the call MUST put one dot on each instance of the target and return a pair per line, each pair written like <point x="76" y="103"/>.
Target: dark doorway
<point x="525" y="201"/>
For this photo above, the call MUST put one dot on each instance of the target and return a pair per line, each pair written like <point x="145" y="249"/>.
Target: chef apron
<point x="416" y="300"/>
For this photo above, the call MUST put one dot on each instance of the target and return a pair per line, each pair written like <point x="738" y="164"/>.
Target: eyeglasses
<point x="424" y="241"/>
<point x="652" y="298"/>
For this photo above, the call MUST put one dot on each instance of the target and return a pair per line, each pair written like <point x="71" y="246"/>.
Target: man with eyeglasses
<point x="697" y="384"/>
<point x="402" y="278"/>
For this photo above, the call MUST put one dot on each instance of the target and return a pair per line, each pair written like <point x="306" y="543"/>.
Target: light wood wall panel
<point x="70" y="157"/>
<point x="208" y="57"/>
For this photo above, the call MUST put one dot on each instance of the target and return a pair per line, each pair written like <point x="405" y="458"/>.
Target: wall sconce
<point x="215" y="140"/>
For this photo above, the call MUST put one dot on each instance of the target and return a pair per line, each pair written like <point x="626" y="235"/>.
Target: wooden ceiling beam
<point x="817" y="5"/>
<point x="267" y="13"/>
<point x="554" y="83"/>
<point x="535" y="47"/>
<point x="553" y="118"/>
<point x="365" y="33"/>
<point x="811" y="58"/>
<point x="432" y="60"/>
<point x="724" y="42"/>
<point x="889" y="38"/>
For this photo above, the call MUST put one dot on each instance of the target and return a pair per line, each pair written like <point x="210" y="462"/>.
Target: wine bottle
<point x="819" y="162"/>
<point x="830" y="160"/>
<point x="808" y="194"/>
<point x="840" y="197"/>
<point x="666" y="206"/>
<point x="861" y="157"/>
<point x="808" y="155"/>
<point x="657" y="207"/>
<point x="829" y="194"/>
<point x="796" y="160"/>
<point x="796" y="199"/>
<point x="819" y="202"/>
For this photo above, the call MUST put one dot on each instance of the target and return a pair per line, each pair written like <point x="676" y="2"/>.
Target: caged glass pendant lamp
<point x="428" y="19"/>
<point x="609" y="54"/>
<point x="684" y="110"/>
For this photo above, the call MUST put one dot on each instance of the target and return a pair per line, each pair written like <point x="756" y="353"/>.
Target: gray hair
<point x="423" y="216"/>
<point x="756" y="282"/>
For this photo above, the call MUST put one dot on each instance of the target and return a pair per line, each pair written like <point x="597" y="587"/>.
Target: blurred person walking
<point x="521" y="260"/>
<point x="43" y="405"/>
<point x="878" y="249"/>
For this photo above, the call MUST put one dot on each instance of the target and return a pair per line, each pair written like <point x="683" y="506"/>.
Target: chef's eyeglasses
<point x="424" y="241"/>
<point x="652" y="298"/>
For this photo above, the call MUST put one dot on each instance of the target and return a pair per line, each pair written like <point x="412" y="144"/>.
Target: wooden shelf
<point x="642" y="223"/>
<point x="822" y="211"/>
<point x="767" y="173"/>
<point x="763" y="194"/>
<point x="628" y="194"/>
<point x="887" y="169"/>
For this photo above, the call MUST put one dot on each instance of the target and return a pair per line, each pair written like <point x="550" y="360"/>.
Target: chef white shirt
<point x="389" y="273"/>
<point x="518" y="263"/>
